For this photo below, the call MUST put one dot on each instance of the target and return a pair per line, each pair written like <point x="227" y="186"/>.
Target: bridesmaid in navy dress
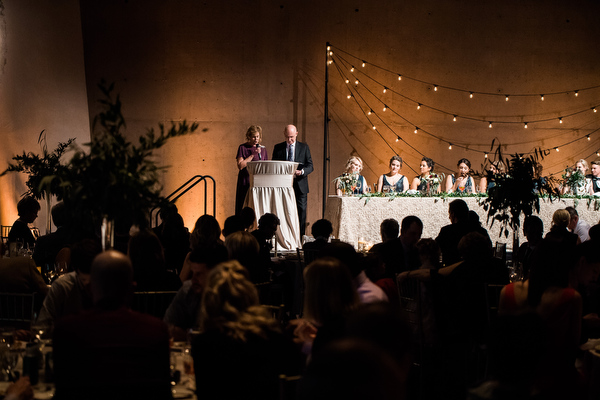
<point x="249" y="151"/>
<point x="393" y="180"/>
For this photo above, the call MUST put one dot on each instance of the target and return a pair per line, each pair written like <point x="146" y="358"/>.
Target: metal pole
<point x="326" y="131"/>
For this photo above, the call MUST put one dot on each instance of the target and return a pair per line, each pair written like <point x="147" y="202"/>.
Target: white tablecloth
<point x="271" y="191"/>
<point x="352" y="218"/>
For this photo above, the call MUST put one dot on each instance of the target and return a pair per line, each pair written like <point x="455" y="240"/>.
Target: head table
<point x="355" y="218"/>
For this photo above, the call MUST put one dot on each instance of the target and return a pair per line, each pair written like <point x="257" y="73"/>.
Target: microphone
<point x="258" y="147"/>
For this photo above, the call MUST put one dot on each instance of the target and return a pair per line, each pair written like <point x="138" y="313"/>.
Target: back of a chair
<point x="288" y="387"/>
<point x="5" y="231"/>
<point x="277" y="312"/>
<point x="17" y="310"/>
<point x="492" y="301"/>
<point x="409" y="292"/>
<point x="153" y="303"/>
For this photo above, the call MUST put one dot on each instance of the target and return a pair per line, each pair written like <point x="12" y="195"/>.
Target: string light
<point x="330" y="62"/>
<point x="331" y="53"/>
<point x="560" y="120"/>
<point x="356" y="82"/>
<point x="471" y="95"/>
<point x="419" y="106"/>
<point x="435" y="88"/>
<point x="490" y="125"/>
<point x="450" y="146"/>
<point x="370" y="112"/>
<point x="349" y="96"/>
<point x="454" y="119"/>
<point x="328" y="48"/>
<point x="399" y="77"/>
<point x="347" y="80"/>
<point x="556" y="148"/>
<point x="594" y="109"/>
<point x="352" y="69"/>
<point x="486" y="154"/>
<point x="588" y="137"/>
<point x="384" y="89"/>
<point x="384" y="107"/>
<point x="374" y="128"/>
<point x="416" y="129"/>
<point x="542" y="97"/>
<point x="598" y="153"/>
<point x="363" y="64"/>
<point x="525" y="125"/>
<point x="576" y="93"/>
<point x="506" y="98"/>
<point x="397" y="138"/>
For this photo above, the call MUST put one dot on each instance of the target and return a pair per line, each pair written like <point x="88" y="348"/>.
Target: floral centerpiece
<point x="347" y="182"/>
<point x="432" y="182"/>
<point x="574" y="180"/>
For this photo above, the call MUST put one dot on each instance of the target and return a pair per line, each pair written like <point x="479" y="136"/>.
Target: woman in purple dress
<point x="249" y="151"/>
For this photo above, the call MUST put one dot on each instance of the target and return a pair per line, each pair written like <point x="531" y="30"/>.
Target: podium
<point x="271" y="191"/>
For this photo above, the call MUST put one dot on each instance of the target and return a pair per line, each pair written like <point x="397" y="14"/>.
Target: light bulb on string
<point x="490" y="125"/>
<point x="435" y="88"/>
<point x="349" y="96"/>
<point x="399" y="77"/>
<point x="384" y="89"/>
<point x="525" y="125"/>
<point x="347" y="80"/>
<point x="560" y="120"/>
<point x="331" y="53"/>
<point x="356" y="82"/>
<point x="576" y="93"/>
<point x="416" y="129"/>
<point x="363" y="64"/>
<point x="330" y="62"/>
<point x="542" y="97"/>
<point x="588" y="137"/>
<point x="454" y="118"/>
<point x="556" y="148"/>
<point x="397" y="138"/>
<point x="374" y="128"/>
<point x="450" y="146"/>
<point x="328" y="48"/>
<point x="370" y="112"/>
<point x="598" y="153"/>
<point x="418" y="106"/>
<point x="470" y="95"/>
<point x="384" y="108"/>
<point x="594" y="109"/>
<point x="506" y="98"/>
<point x="352" y="69"/>
<point x="485" y="155"/>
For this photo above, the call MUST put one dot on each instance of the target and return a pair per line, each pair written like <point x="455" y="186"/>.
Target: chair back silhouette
<point x="492" y="301"/>
<point x="288" y="387"/>
<point x="153" y="303"/>
<point x="277" y="312"/>
<point x="17" y="310"/>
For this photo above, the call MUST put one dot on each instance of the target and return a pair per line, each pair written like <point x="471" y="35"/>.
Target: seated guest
<point x="533" y="229"/>
<point x="389" y="229"/>
<point x="321" y="231"/>
<point x="111" y="351"/>
<point x="248" y="218"/>
<point x="393" y="181"/>
<point x="354" y="166"/>
<point x="586" y="185"/>
<point x="20" y="275"/>
<point x="547" y="293"/>
<point x="48" y="246"/>
<point x="267" y="227"/>
<point x="206" y="230"/>
<point x="21" y="389"/>
<point x="399" y="254"/>
<point x="243" y="247"/>
<point x="577" y="225"/>
<point x="241" y="351"/>
<point x="28" y="209"/>
<point x="174" y="237"/>
<point x="420" y="182"/>
<point x="450" y="235"/>
<point x="368" y="292"/>
<point x="559" y="232"/>
<point x="489" y="181"/>
<point x="182" y="313"/>
<point x="70" y="294"/>
<point x="233" y="224"/>
<point x="148" y="261"/>
<point x="462" y="182"/>
<point x="594" y="232"/>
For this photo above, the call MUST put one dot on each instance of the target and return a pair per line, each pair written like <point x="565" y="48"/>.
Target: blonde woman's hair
<point x="350" y="160"/>
<point x="561" y="218"/>
<point x="252" y="129"/>
<point x="584" y="163"/>
<point x="230" y="304"/>
<point x="329" y="291"/>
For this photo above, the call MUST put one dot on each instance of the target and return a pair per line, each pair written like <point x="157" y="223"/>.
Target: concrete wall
<point x="42" y="86"/>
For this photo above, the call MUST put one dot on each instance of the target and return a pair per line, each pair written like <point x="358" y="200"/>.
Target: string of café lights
<point x="455" y="116"/>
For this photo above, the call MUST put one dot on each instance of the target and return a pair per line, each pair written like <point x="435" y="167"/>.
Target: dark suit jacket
<point x="301" y="156"/>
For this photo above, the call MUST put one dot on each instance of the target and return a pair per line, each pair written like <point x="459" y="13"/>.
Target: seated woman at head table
<point x="393" y="181"/>
<point x="462" y="182"/>
<point x="354" y="165"/>
<point x="586" y="186"/>
<point x="495" y="168"/>
<point x="420" y="182"/>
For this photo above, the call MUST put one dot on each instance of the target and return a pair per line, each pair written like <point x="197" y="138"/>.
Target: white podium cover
<point x="271" y="191"/>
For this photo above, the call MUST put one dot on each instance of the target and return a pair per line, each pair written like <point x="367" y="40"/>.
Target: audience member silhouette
<point x="233" y="224"/>
<point x="148" y="260"/>
<point x="48" y="246"/>
<point x="321" y="231"/>
<point x="248" y="218"/>
<point x="27" y="209"/>
<point x="207" y="231"/>
<point x="533" y="229"/>
<point x="182" y="313"/>
<point x="111" y="351"/>
<point x="577" y="225"/>
<point x="243" y="247"/>
<point x="267" y="226"/>
<point x="241" y="351"/>
<point x="174" y="237"/>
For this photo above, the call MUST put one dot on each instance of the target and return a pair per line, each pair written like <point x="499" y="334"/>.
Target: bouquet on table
<point x="574" y="180"/>
<point x="347" y="182"/>
<point x="432" y="182"/>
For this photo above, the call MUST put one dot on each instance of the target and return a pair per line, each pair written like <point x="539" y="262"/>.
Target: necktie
<point x="290" y="153"/>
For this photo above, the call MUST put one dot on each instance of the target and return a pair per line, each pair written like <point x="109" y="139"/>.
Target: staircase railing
<point x="186" y="187"/>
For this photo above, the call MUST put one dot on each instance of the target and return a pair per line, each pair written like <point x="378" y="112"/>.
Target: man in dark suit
<point x="292" y="150"/>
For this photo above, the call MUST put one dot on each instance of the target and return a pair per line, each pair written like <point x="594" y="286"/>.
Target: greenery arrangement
<point x="114" y="179"/>
<point x="347" y="182"/>
<point x="575" y="181"/>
